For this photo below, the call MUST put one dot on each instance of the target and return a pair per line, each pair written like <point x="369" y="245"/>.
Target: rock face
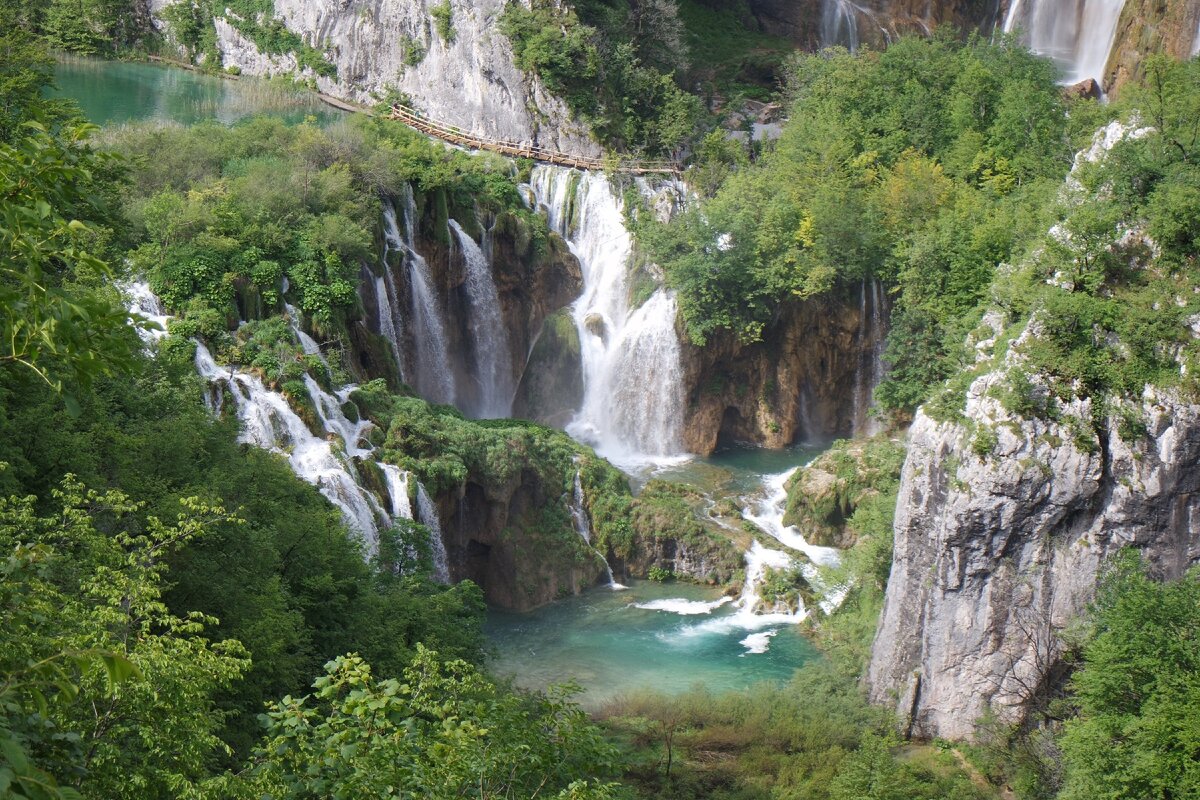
<point x="996" y="553"/>
<point x="671" y="529"/>
<point x="1151" y="26"/>
<point x="379" y="45"/>
<point x="516" y="542"/>
<point x="809" y="379"/>
<point x="551" y="388"/>
<point x="532" y="281"/>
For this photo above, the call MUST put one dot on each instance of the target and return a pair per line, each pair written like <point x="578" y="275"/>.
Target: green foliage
<point x="222" y="214"/>
<point x="916" y="166"/>
<point x="25" y="69"/>
<point x="413" y="50"/>
<point x="443" y="20"/>
<point x="1137" y="690"/>
<point x="442" y="731"/>
<point x="605" y="73"/>
<point x="58" y="321"/>
<point x="91" y="27"/>
<point x="826" y="496"/>
<point x="95" y="591"/>
<point x="660" y="574"/>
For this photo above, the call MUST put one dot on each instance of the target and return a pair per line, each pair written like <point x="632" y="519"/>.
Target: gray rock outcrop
<point x="998" y="549"/>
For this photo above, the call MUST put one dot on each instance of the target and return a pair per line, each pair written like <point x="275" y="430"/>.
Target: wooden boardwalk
<point x="449" y="133"/>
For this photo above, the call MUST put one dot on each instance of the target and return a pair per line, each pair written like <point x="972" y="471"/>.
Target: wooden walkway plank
<point x="454" y="135"/>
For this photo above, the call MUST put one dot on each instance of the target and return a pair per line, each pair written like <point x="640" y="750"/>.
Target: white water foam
<point x="685" y="608"/>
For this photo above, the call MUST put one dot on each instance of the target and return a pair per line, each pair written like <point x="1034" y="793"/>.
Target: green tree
<point x="73" y="589"/>
<point x="441" y="731"/>
<point x="1137" y="690"/>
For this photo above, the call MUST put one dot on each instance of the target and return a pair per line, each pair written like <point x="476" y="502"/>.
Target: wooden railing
<point x="450" y="133"/>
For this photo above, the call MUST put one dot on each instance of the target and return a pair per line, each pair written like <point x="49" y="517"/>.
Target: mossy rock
<point x="552" y="387"/>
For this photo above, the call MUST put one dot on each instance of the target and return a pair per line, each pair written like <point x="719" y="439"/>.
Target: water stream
<point x="1077" y="34"/>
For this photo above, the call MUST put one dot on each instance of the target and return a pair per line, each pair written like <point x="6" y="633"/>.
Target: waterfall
<point x="270" y="423"/>
<point x="1077" y="34"/>
<point x="428" y="513"/>
<point x="432" y="378"/>
<point x="489" y="338"/>
<point x="143" y="301"/>
<point x="397" y="485"/>
<point x="386" y="299"/>
<point x="633" y="402"/>
<point x="839" y="24"/>
<point x="583" y="526"/>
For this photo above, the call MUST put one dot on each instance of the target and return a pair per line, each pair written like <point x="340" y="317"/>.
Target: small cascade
<point x="870" y="342"/>
<point x="432" y="377"/>
<point x="270" y="423"/>
<point x="307" y="343"/>
<point x="489" y="337"/>
<point x="633" y="403"/>
<point x="583" y="526"/>
<point x="579" y="515"/>
<point x="1077" y="34"/>
<point x="428" y="513"/>
<point x="143" y="301"/>
<point x="397" y="486"/>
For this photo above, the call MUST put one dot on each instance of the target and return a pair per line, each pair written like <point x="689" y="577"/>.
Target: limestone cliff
<point x="1013" y="496"/>
<point x="996" y="553"/>
<point x="467" y="80"/>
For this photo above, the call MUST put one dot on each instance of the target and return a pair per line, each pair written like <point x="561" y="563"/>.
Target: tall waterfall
<point x="386" y="299"/>
<point x="489" y="337"/>
<point x="633" y="390"/>
<point x="1076" y="34"/>
<point x="431" y="374"/>
<point x="839" y="24"/>
<point x="428" y="512"/>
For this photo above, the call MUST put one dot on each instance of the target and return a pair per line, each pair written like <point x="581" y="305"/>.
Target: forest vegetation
<point x="181" y="616"/>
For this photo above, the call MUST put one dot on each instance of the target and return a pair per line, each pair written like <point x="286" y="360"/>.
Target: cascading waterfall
<point x="489" y="337"/>
<point x="1077" y="34"/>
<point x="432" y="377"/>
<point x="839" y="24"/>
<point x="633" y="402"/>
<point x="270" y="423"/>
<point x="583" y="526"/>
<point x="397" y="485"/>
<point x="428" y="513"/>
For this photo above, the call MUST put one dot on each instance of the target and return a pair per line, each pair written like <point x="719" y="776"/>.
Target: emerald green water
<point x="607" y="645"/>
<point x="115" y="92"/>
<point x="604" y="643"/>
